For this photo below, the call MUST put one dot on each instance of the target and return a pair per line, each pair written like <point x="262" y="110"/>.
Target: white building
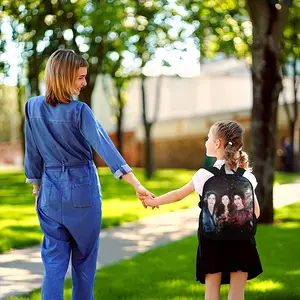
<point x="187" y="109"/>
<point x="224" y="89"/>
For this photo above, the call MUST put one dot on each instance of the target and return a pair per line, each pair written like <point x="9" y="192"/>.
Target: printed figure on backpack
<point x="224" y="212"/>
<point x="209" y="212"/>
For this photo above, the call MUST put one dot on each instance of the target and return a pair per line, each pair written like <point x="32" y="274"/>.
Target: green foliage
<point x="98" y="30"/>
<point x="282" y="178"/>
<point x="221" y="27"/>
<point x="225" y="27"/>
<point x="168" y="272"/>
<point x="291" y="44"/>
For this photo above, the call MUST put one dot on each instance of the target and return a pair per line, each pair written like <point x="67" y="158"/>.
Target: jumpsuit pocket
<point x="44" y="195"/>
<point x="81" y="195"/>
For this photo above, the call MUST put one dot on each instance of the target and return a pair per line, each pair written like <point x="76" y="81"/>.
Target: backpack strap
<point x="239" y="171"/>
<point x="222" y="170"/>
<point x="214" y="171"/>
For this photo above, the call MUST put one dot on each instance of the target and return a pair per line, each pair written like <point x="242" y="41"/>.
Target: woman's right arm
<point x="97" y="137"/>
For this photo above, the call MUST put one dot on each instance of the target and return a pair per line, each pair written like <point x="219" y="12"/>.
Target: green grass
<point x="168" y="272"/>
<point x="19" y="225"/>
<point x="281" y="177"/>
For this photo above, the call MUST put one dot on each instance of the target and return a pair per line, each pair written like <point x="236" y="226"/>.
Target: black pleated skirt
<point x="214" y="256"/>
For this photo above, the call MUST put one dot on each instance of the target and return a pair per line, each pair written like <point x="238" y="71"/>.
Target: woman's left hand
<point x="35" y="193"/>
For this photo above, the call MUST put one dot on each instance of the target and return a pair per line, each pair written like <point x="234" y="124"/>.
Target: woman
<point x="59" y="134"/>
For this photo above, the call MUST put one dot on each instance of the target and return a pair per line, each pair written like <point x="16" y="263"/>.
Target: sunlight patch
<point x="173" y="283"/>
<point x="293" y="272"/>
<point x="289" y="225"/>
<point x="265" y="286"/>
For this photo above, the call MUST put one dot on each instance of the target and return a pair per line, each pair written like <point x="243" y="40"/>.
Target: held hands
<point x="144" y="194"/>
<point x="149" y="201"/>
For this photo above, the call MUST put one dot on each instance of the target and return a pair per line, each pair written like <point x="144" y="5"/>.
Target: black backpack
<point x="227" y="206"/>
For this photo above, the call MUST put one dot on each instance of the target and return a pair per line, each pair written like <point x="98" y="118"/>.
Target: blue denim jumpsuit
<point x="58" y="157"/>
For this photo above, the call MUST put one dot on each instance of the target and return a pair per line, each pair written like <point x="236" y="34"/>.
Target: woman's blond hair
<point x="60" y="75"/>
<point x="231" y="133"/>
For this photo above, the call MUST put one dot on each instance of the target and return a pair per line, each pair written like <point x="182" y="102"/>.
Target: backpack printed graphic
<point x="227" y="206"/>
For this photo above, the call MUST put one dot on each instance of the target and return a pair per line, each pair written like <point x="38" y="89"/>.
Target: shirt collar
<point x="219" y="163"/>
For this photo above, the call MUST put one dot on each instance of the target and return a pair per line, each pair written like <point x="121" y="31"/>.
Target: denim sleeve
<point x="33" y="162"/>
<point x="97" y="137"/>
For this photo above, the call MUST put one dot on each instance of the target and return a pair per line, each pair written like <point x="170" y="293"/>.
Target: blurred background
<point x="161" y="72"/>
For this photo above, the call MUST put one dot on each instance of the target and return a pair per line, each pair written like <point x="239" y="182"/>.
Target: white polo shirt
<point x="202" y="175"/>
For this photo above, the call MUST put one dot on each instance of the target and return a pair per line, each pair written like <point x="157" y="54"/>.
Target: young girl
<point x="59" y="133"/>
<point x="221" y="261"/>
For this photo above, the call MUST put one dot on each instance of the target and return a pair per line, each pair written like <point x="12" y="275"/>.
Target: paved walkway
<point x="21" y="270"/>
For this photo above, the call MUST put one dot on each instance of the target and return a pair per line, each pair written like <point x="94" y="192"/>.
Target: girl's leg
<point x="238" y="282"/>
<point x="212" y="286"/>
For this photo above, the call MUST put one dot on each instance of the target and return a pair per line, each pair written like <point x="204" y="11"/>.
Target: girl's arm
<point x="172" y="196"/>
<point x="256" y="207"/>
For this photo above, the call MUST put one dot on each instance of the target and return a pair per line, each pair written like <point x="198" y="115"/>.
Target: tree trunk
<point x="33" y="74"/>
<point x="295" y="109"/>
<point x="268" y="23"/>
<point x="21" y="114"/>
<point x="148" y="151"/>
<point x="21" y="128"/>
<point x="147" y="127"/>
<point x="120" y="120"/>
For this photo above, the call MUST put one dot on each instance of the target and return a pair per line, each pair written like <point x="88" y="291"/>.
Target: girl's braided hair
<point x="231" y="133"/>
